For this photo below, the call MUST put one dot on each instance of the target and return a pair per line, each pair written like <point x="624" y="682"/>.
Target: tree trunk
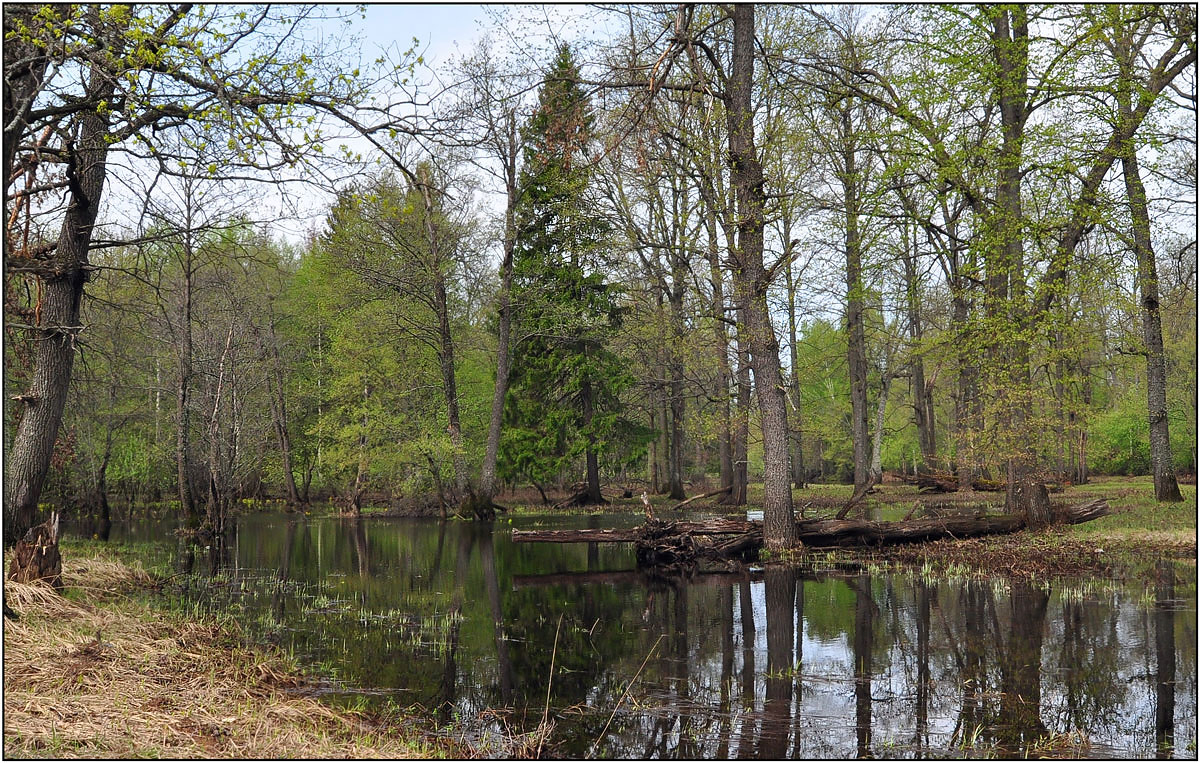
<point x="922" y="395"/>
<point x="1166" y="487"/>
<point x="62" y="291"/>
<point x="797" y="428"/>
<point x="487" y="472"/>
<point x="450" y="390"/>
<point x="856" y="343"/>
<point x="1006" y="297"/>
<point x="751" y="281"/>
<point x="741" y="427"/>
<point x="592" y="492"/>
<point x="724" y="373"/>
<point x="279" y="418"/>
<point x="360" y="477"/>
<point x="876" y="470"/>
<point x="36" y="555"/>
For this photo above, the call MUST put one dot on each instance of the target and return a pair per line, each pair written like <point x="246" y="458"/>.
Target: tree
<point x="565" y="380"/>
<point x="1123" y="40"/>
<point x="137" y="76"/>
<point x="751" y="281"/>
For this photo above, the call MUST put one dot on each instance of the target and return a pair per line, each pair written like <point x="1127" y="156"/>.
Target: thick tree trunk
<point x="36" y="555"/>
<point x="62" y="292"/>
<point x="1166" y="487"/>
<point x="1006" y="299"/>
<point x="752" y="281"/>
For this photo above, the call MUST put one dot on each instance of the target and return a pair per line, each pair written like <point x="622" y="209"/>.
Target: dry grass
<point x="105" y="676"/>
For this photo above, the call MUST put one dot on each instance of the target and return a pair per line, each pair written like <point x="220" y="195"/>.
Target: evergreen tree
<point x="566" y="382"/>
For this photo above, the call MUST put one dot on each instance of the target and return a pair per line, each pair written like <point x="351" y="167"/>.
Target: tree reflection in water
<point x="778" y="663"/>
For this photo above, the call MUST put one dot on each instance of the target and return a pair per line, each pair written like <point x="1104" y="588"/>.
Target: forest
<point x="710" y="247"/>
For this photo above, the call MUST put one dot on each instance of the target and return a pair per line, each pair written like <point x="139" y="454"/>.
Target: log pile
<point x="659" y="543"/>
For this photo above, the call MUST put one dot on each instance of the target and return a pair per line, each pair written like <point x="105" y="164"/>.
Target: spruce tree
<point x="564" y="401"/>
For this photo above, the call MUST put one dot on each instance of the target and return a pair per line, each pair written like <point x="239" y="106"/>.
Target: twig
<point x="549" y="683"/>
<point x="625" y="694"/>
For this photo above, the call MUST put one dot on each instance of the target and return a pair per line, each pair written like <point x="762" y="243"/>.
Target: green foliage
<point x="566" y="382"/>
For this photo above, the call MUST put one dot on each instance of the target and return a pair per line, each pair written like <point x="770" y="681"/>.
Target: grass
<point x="99" y="673"/>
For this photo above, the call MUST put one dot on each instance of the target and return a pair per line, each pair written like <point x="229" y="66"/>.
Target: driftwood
<point x="36" y="557"/>
<point x="659" y="543"/>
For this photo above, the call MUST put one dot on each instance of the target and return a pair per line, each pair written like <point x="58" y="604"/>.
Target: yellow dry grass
<point x="106" y="676"/>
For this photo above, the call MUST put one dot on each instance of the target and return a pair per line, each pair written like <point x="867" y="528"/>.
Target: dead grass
<point x="106" y="676"/>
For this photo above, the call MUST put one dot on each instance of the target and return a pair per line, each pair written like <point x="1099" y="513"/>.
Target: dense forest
<point x="718" y="245"/>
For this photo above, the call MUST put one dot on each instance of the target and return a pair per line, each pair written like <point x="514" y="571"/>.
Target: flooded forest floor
<point x="100" y="673"/>
<point x="1129" y="542"/>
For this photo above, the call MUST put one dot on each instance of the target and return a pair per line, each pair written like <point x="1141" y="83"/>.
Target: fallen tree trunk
<point x="670" y="543"/>
<point x="709" y="494"/>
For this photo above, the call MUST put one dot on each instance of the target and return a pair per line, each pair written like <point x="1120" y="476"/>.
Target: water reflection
<point x="457" y="620"/>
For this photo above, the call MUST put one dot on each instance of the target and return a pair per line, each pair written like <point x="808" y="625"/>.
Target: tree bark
<point x="724" y="373"/>
<point x="797" y="427"/>
<point x="741" y="427"/>
<point x="62" y="292"/>
<point x="922" y="395"/>
<point x="487" y="472"/>
<point x="1162" y="463"/>
<point x="856" y="343"/>
<point x="1006" y="297"/>
<point x="876" y="471"/>
<point x="752" y="281"/>
<point x="592" y="492"/>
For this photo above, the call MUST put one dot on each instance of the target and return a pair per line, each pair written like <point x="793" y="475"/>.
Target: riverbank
<point x="100" y="673"/>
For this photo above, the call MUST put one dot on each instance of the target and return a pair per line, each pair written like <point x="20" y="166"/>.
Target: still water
<point x="461" y="623"/>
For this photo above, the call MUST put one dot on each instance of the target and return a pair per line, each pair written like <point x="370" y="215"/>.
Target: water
<point x="462" y="624"/>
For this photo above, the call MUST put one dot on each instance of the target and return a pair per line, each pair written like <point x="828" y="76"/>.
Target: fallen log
<point x="650" y="529"/>
<point x="659" y="543"/>
<point x="709" y="494"/>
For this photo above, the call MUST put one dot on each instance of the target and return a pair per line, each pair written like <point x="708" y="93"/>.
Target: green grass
<point x="1136" y="515"/>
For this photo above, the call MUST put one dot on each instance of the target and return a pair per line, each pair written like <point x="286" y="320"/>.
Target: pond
<point x="480" y="633"/>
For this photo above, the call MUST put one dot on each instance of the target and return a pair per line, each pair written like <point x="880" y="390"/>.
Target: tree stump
<point x="36" y="556"/>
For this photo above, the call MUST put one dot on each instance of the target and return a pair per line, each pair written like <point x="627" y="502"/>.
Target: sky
<point x="443" y="31"/>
